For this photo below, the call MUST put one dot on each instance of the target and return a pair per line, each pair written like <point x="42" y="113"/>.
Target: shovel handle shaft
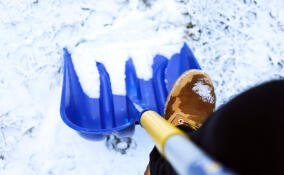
<point x="159" y="129"/>
<point x="175" y="146"/>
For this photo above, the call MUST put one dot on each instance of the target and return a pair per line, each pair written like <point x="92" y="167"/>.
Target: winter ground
<point x="238" y="43"/>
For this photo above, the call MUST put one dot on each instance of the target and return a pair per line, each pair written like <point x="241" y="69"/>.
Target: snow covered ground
<point x="238" y="43"/>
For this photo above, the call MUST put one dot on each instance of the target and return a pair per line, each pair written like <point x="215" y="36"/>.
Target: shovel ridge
<point x="106" y="100"/>
<point x="110" y="113"/>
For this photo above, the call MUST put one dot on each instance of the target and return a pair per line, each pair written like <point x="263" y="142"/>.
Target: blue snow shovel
<point x="93" y="118"/>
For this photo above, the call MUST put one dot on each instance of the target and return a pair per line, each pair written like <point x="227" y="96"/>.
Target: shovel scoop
<point x="93" y="118"/>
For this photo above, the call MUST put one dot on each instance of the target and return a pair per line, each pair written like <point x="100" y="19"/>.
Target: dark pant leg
<point x="247" y="134"/>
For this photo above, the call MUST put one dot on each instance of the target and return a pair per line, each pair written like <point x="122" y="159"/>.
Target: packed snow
<point x="238" y="43"/>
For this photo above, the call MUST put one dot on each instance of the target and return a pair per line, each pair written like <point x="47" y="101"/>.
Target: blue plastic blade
<point x="94" y="117"/>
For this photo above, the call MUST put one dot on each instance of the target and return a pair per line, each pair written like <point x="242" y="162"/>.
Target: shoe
<point x="191" y="99"/>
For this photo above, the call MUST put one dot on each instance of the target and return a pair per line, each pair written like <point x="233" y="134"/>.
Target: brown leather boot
<point x="191" y="99"/>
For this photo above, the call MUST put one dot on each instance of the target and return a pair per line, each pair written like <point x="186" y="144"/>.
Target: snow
<point x="238" y="43"/>
<point x="139" y="35"/>
<point x="204" y="91"/>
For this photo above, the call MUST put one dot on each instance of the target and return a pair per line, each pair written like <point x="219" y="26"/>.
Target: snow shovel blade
<point x="93" y="118"/>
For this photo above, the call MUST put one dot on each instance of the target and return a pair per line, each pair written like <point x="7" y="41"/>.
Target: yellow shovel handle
<point x="175" y="146"/>
<point x="159" y="129"/>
